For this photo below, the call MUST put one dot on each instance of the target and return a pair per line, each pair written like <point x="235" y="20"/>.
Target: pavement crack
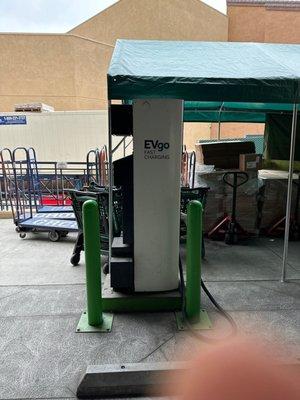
<point x="70" y="390"/>
<point x="275" y="290"/>
<point x="280" y="257"/>
<point x="13" y="294"/>
<point x="157" y="348"/>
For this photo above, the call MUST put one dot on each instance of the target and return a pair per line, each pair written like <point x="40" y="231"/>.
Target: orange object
<point x="185" y="169"/>
<point x="102" y="167"/>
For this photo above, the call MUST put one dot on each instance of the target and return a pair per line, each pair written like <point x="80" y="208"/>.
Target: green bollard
<point x="91" y="232"/>
<point x="193" y="317"/>
<point x="193" y="261"/>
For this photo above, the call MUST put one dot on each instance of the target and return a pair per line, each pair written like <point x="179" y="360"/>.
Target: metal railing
<point x="54" y="181"/>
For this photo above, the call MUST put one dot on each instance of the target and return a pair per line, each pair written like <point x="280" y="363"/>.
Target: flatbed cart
<point x="100" y="194"/>
<point x="56" y="228"/>
<point x="36" y="187"/>
<point x="17" y="178"/>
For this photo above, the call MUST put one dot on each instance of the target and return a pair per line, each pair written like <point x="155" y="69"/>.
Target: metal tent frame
<point x="191" y="72"/>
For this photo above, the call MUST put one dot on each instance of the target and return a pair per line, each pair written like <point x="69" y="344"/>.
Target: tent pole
<point x="289" y="193"/>
<point x="219" y="124"/>
<point x="110" y="187"/>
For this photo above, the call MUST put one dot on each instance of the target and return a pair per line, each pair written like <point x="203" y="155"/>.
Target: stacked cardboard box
<point x="224" y="155"/>
<point x="260" y="202"/>
<point x="214" y="207"/>
<point x="219" y="200"/>
<point x="274" y="195"/>
<point x="250" y="162"/>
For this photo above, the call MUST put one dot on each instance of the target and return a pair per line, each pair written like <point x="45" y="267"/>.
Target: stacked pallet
<point x="273" y="193"/>
<point x="219" y="200"/>
<point x="261" y="202"/>
<point x="214" y="207"/>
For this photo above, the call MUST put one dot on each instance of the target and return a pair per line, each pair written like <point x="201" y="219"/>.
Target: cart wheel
<point x="64" y="234"/>
<point x="54" y="236"/>
<point x="105" y="268"/>
<point x="17" y="229"/>
<point x="75" y="259"/>
<point x="22" y="235"/>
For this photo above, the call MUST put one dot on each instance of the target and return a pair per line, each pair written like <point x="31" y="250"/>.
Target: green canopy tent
<point x="203" y="111"/>
<point x="258" y="75"/>
<point x="196" y="111"/>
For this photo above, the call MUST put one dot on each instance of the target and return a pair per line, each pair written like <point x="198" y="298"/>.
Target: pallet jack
<point x="278" y="227"/>
<point x="229" y="226"/>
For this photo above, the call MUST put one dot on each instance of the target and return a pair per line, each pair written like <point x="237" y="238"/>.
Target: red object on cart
<point x="58" y="201"/>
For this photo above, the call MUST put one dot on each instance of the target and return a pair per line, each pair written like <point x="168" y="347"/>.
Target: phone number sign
<point x="13" y="120"/>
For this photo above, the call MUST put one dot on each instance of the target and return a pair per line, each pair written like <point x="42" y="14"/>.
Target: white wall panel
<point x="59" y="136"/>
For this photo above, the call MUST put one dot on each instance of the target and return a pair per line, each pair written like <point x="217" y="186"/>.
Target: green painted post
<point x="193" y="261"/>
<point x="91" y="231"/>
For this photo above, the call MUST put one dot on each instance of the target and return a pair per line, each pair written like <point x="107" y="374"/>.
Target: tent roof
<point x="205" y="71"/>
<point x="196" y="111"/>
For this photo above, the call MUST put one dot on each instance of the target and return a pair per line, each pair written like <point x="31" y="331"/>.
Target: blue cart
<point x="18" y="180"/>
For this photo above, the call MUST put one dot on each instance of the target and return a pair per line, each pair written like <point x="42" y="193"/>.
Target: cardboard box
<point x="33" y="107"/>
<point x="250" y="162"/>
<point x="273" y="193"/>
<point x="219" y="200"/>
<point x="223" y="155"/>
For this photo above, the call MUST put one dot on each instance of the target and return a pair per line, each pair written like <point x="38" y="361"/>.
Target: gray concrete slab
<point x="278" y="332"/>
<point x="42" y="296"/>
<point x="36" y="260"/>
<point x="254" y="295"/>
<point x="8" y="291"/>
<point x="252" y="260"/>
<point x="44" y="357"/>
<point x="26" y="301"/>
<point x="276" y="245"/>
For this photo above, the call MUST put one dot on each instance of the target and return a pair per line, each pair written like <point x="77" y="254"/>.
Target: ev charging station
<point x="145" y="258"/>
<point x="157" y="143"/>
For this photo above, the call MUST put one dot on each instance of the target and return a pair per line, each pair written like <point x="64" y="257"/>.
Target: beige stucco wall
<point x="236" y="130"/>
<point x="282" y="27"/>
<point x="68" y="71"/>
<point x="258" y="24"/>
<point x="156" y="19"/>
<point x="195" y="131"/>
<point x="64" y="71"/>
<point x="262" y="24"/>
